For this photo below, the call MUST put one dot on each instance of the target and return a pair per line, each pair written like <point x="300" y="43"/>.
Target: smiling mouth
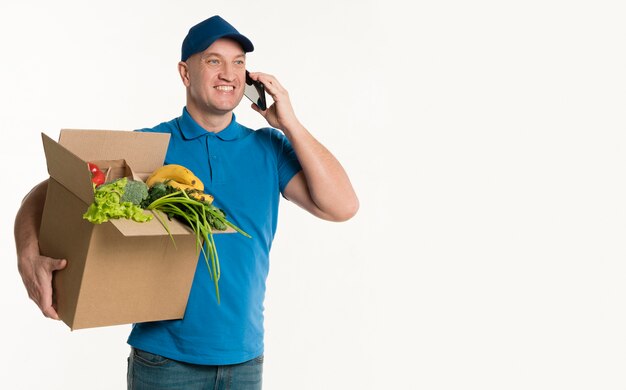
<point x="225" y="88"/>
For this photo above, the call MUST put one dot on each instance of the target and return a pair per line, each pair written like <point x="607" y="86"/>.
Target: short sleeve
<point x="287" y="163"/>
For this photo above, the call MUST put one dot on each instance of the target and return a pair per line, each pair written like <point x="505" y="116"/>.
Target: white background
<point x="486" y="141"/>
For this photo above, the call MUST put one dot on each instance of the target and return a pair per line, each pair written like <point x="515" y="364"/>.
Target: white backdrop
<point x="486" y="141"/>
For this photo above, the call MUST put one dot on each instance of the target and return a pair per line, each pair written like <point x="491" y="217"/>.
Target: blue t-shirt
<point x="246" y="171"/>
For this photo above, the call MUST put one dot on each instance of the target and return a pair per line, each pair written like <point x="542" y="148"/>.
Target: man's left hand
<point x="280" y="114"/>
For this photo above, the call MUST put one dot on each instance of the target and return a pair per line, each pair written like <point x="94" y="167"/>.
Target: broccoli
<point x="135" y="192"/>
<point x="158" y="190"/>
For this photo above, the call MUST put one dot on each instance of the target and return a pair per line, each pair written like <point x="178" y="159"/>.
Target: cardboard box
<point x="121" y="271"/>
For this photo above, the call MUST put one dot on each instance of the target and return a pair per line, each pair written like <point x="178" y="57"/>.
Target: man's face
<point x="216" y="77"/>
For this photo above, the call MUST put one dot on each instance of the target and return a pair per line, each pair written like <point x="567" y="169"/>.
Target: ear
<point x="183" y="70"/>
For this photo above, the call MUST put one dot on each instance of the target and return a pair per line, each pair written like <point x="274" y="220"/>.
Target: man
<point x="247" y="171"/>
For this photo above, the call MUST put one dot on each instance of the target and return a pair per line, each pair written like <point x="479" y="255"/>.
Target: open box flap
<point x="68" y="169"/>
<point x="144" y="152"/>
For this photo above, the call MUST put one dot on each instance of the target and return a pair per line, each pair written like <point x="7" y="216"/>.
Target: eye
<point x="240" y="62"/>
<point x="213" y="61"/>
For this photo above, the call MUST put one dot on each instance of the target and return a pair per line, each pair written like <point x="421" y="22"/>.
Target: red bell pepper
<point x="97" y="176"/>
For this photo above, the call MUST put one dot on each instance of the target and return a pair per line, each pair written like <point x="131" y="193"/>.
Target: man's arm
<point x="323" y="187"/>
<point x="36" y="270"/>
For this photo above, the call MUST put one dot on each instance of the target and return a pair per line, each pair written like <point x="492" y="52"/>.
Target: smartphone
<point x="255" y="91"/>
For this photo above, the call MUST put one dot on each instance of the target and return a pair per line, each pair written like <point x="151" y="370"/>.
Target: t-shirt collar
<point x="191" y="129"/>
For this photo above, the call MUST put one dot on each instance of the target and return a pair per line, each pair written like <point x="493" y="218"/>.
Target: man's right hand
<point x="36" y="272"/>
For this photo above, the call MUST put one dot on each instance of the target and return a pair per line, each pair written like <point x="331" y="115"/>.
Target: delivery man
<point x="247" y="171"/>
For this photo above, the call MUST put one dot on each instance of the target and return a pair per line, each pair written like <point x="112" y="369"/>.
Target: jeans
<point x="154" y="372"/>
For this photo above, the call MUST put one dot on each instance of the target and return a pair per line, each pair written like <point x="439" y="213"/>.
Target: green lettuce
<point x="107" y="204"/>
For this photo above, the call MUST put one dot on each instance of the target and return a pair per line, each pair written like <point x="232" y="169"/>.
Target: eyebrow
<point x="209" y="54"/>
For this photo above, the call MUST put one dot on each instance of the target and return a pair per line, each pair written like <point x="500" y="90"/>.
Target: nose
<point x="227" y="72"/>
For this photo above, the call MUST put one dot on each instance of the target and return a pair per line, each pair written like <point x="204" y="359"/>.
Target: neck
<point x="211" y="122"/>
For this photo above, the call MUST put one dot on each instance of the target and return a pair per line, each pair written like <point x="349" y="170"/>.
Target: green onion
<point x="198" y="216"/>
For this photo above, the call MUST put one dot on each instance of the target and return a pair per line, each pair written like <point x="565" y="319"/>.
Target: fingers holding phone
<point x="280" y="114"/>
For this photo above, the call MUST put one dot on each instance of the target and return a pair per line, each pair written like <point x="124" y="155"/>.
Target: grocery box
<point x="120" y="271"/>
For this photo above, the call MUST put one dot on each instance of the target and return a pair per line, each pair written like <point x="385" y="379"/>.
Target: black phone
<point x="255" y="91"/>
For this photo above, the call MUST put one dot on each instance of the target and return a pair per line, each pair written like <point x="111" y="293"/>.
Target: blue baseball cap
<point x="203" y="34"/>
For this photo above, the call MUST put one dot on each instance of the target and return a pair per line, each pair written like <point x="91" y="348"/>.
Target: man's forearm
<point x="328" y="182"/>
<point x="36" y="270"/>
<point x="28" y="220"/>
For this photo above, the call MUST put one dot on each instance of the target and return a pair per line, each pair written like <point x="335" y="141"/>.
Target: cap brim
<point x="245" y="43"/>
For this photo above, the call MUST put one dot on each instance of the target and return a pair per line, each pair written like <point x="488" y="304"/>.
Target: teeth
<point x="224" y="88"/>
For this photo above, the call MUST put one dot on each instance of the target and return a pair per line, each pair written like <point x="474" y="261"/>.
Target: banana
<point x="191" y="191"/>
<point x="177" y="173"/>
